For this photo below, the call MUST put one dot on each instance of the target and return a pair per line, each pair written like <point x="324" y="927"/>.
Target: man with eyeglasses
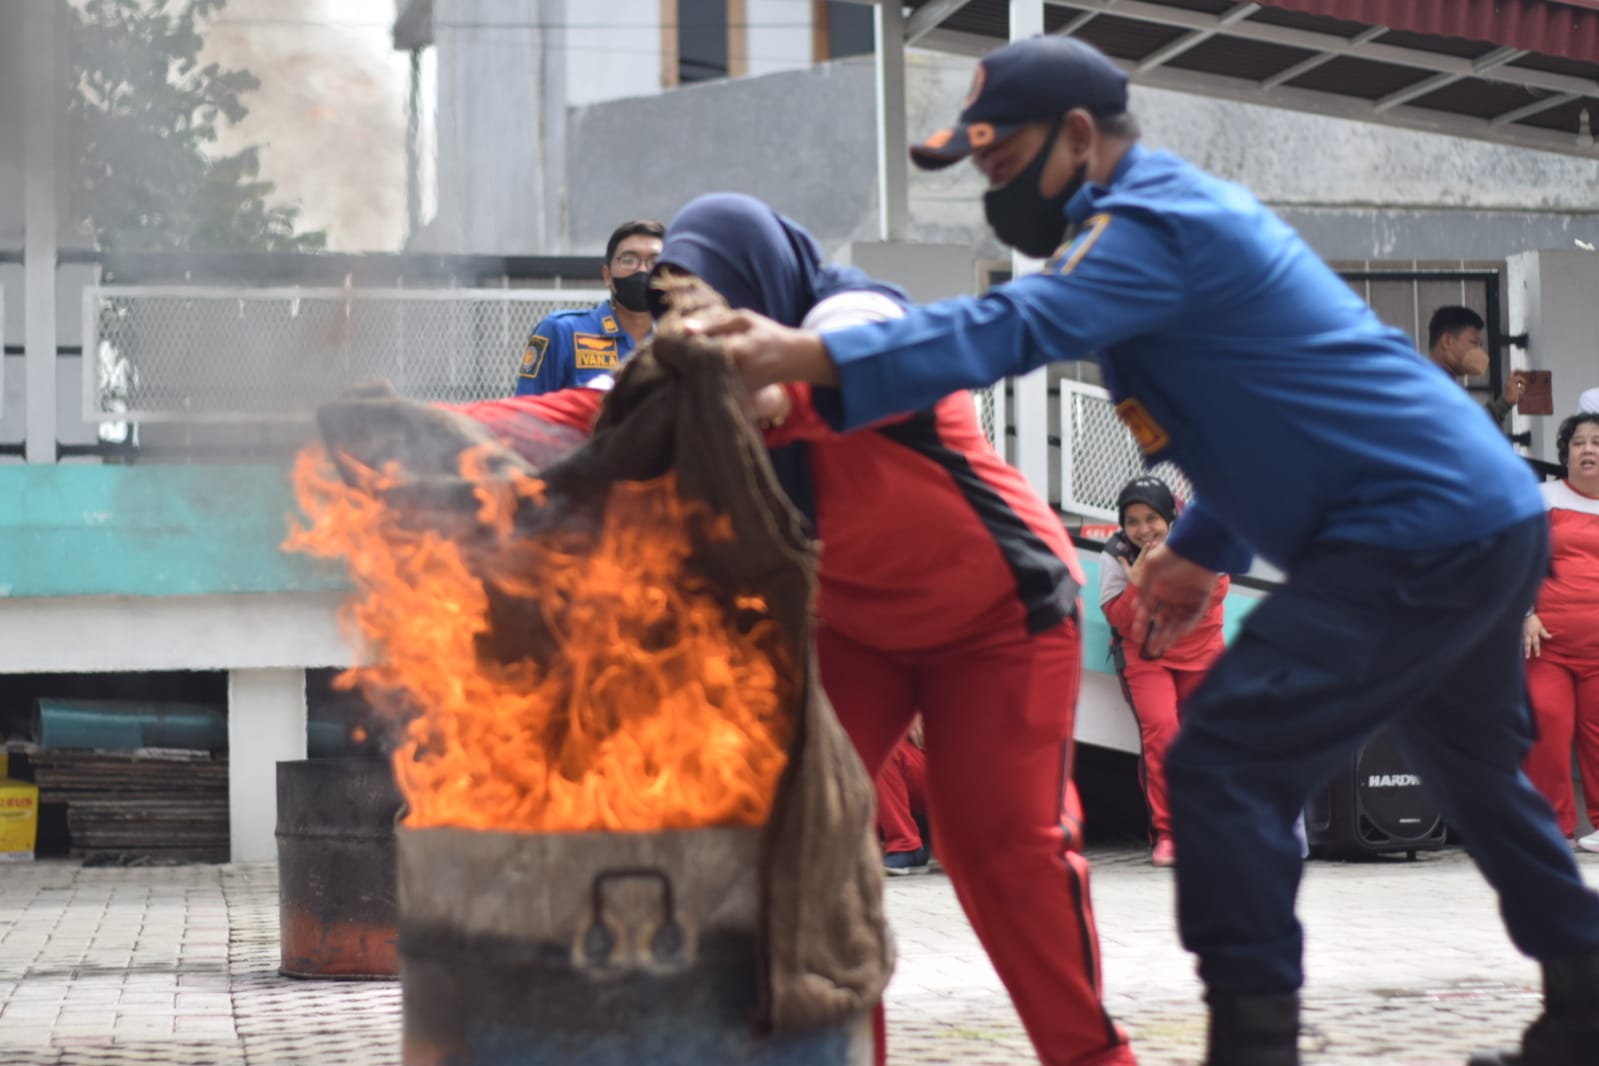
<point x="585" y="346"/>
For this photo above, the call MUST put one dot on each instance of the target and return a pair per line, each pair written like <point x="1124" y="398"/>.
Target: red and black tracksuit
<point x="946" y="586"/>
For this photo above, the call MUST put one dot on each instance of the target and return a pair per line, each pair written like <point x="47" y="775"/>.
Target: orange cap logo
<point x="980" y="135"/>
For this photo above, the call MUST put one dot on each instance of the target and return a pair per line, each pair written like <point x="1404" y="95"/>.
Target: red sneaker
<point x="1165" y="852"/>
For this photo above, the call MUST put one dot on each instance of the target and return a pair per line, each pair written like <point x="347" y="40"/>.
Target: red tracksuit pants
<point x="997" y="720"/>
<point x="1154" y="692"/>
<point x="901" y="796"/>
<point x="1565" y="704"/>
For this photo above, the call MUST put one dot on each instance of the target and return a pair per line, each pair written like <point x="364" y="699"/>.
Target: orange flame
<point x="661" y="706"/>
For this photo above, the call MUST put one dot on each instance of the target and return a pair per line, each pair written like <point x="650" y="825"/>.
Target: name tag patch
<point x="591" y="352"/>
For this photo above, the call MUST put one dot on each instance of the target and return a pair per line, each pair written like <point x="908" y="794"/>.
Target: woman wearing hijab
<point x="1153" y="686"/>
<point x="946" y="586"/>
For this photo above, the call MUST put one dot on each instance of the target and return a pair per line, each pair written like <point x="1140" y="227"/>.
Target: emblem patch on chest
<point x="1149" y="434"/>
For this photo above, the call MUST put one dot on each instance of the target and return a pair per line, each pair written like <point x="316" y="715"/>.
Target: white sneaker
<point x="1589" y="842"/>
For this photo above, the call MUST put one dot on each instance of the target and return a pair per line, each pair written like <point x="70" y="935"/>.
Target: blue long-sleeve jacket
<point x="572" y="348"/>
<point x="1230" y="349"/>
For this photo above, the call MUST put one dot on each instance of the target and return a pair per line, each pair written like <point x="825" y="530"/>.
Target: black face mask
<point x="1023" y="217"/>
<point x="633" y="291"/>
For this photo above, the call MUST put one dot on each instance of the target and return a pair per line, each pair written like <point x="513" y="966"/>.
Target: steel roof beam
<point x="1310" y="41"/>
<point x="928" y="17"/>
<point x="1497" y="58"/>
<point x="1166" y="53"/>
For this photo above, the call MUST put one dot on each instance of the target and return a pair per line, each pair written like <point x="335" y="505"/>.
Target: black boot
<point x="1253" y="1030"/>
<point x="1567" y="1032"/>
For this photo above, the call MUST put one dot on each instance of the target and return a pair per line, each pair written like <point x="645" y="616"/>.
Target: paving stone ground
<point x="1407" y="965"/>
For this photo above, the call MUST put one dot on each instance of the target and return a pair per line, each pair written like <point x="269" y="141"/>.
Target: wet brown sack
<point x="678" y="406"/>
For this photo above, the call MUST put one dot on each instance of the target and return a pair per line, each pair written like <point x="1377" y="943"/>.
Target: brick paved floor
<point x="1407" y="964"/>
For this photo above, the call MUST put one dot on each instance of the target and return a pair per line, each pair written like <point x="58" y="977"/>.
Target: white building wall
<point x="1552" y="297"/>
<point x="500" y="153"/>
<point x="613" y="50"/>
<point x="779" y="35"/>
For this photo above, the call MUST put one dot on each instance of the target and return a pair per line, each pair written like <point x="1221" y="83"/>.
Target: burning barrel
<point x="336" y="912"/>
<point x="591" y="949"/>
<point x="635" y="832"/>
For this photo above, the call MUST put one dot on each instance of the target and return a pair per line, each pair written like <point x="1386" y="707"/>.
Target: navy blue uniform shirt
<point x="1231" y="349"/>
<point x="572" y="348"/>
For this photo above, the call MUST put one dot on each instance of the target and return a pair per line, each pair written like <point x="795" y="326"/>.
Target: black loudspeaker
<point x="1373" y="807"/>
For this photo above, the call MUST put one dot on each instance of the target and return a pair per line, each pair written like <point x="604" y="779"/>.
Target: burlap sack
<point x="678" y="405"/>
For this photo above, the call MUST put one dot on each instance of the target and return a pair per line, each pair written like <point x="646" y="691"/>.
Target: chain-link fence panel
<point x="181" y="354"/>
<point x="1099" y="456"/>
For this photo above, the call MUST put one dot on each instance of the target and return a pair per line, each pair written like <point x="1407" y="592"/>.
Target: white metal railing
<point x="1098" y="455"/>
<point x="183" y="353"/>
<point x="991" y="413"/>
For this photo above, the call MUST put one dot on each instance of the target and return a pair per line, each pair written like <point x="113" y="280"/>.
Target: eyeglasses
<point x="634" y="261"/>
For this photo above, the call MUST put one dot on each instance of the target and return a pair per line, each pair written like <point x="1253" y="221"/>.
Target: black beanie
<point x="1150" y="491"/>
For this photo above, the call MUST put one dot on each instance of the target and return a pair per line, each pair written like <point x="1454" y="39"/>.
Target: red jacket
<point x="1568" y="601"/>
<point x="1197" y="651"/>
<point x="928" y="538"/>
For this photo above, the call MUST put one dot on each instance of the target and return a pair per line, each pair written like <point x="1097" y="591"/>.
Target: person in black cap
<point x="1153" y="685"/>
<point x="1313" y="436"/>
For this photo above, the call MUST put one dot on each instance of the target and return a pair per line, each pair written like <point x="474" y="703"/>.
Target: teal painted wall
<point x="89" y="530"/>
<point x="1096" y="631"/>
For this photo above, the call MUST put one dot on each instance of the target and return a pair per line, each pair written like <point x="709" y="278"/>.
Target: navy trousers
<point x="1358" y="638"/>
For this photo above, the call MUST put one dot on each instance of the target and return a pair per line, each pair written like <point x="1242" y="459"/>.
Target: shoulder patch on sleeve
<point x="533" y="358"/>
<point x="1084" y="243"/>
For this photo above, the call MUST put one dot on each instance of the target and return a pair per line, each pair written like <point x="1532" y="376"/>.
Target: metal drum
<point x="336" y="899"/>
<point x="591" y="949"/>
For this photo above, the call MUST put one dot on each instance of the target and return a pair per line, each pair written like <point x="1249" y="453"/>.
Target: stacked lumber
<point x="149" y="805"/>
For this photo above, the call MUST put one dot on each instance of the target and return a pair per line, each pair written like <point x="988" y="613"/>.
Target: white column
<point x="1561" y="290"/>
<point x="41" y="108"/>
<point x="1032" y="391"/>
<point x="266" y="725"/>
<point x="893" y="174"/>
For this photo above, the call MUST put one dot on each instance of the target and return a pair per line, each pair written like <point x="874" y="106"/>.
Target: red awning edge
<point x="1565" y="28"/>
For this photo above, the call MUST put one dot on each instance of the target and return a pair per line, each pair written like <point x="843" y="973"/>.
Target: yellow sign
<point x="19" y="819"/>
<point x="1150" y="436"/>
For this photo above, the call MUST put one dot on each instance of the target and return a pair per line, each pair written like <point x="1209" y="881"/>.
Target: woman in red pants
<point x="902" y="808"/>
<point x="1154" y="688"/>
<point x="946" y="585"/>
<point x="1561" y="636"/>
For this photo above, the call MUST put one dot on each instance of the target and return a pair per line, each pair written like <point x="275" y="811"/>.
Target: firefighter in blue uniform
<point x="1315" y="437"/>
<point x="585" y="346"/>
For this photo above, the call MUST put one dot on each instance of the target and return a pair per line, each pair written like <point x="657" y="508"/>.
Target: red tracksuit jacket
<point x="928" y="537"/>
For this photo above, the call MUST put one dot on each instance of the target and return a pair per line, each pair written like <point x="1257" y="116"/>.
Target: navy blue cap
<point x="1038" y="78"/>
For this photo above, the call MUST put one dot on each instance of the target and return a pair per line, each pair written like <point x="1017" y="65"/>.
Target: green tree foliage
<point x="141" y="112"/>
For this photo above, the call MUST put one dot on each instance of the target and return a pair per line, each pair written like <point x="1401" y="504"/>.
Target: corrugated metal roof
<point x="1514" y="71"/>
<point x="1567" y="28"/>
